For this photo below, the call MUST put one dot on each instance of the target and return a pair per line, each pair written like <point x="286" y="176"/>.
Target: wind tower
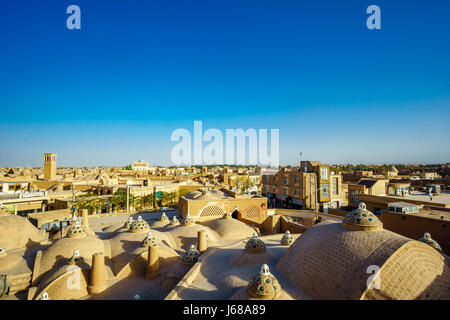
<point x="49" y="166"/>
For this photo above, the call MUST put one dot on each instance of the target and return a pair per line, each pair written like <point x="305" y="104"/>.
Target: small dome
<point x="149" y="241"/>
<point x="128" y="224"/>
<point x="427" y="239"/>
<point x="287" y="239"/>
<point x="2" y="252"/>
<point x="264" y="285"/>
<point x="76" y="258"/>
<point x="187" y="221"/>
<point x="76" y="231"/>
<point x="227" y="215"/>
<point x="362" y="219"/>
<point x="139" y="226"/>
<point x="255" y="245"/>
<point x="174" y="221"/>
<point x="164" y="218"/>
<point x="44" y="296"/>
<point x="191" y="256"/>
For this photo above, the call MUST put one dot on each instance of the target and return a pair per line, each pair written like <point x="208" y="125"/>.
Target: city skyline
<point x="114" y="91"/>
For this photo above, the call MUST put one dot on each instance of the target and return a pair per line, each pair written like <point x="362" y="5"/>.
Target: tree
<point x="183" y="192"/>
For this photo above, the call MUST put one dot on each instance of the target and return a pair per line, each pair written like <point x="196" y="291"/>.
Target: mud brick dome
<point x="140" y="226"/>
<point x="150" y="240"/>
<point x="362" y="219"/>
<point x="164" y="218"/>
<point x="76" y="231"/>
<point x="255" y="245"/>
<point x="427" y="239"/>
<point x="264" y="285"/>
<point x="330" y="261"/>
<point x="287" y="239"/>
<point x="187" y="221"/>
<point x="191" y="256"/>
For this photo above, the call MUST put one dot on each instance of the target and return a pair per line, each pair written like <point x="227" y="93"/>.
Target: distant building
<point x="140" y="165"/>
<point x="49" y="166"/>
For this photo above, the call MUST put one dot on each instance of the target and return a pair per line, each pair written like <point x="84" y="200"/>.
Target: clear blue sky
<point x="113" y="92"/>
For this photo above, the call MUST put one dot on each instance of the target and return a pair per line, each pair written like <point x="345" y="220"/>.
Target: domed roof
<point x="287" y="239"/>
<point x="76" y="231"/>
<point x="187" y="221"/>
<point x="44" y="296"/>
<point x="18" y="232"/>
<point x="150" y="240"/>
<point x="164" y="218"/>
<point x="191" y="256"/>
<point x="76" y="258"/>
<point x="139" y="226"/>
<point x="329" y="261"/>
<point x="255" y="245"/>
<point x="174" y="221"/>
<point x="427" y="239"/>
<point x="264" y="285"/>
<point x="213" y="194"/>
<point x="362" y="219"/>
<point x="128" y="224"/>
<point x="227" y="215"/>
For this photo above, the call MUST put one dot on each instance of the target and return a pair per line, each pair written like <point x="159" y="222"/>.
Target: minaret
<point x="49" y="166"/>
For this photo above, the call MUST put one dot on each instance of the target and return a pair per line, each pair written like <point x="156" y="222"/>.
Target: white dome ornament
<point x="264" y="270"/>
<point x="44" y="296"/>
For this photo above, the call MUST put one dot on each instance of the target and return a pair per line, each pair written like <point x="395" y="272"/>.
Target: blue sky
<point x="114" y="91"/>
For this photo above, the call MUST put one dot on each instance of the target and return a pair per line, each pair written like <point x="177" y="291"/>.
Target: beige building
<point x="312" y="186"/>
<point x="49" y="166"/>
<point x="209" y="204"/>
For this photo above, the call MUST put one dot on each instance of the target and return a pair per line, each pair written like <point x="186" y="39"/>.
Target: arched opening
<point x="235" y="214"/>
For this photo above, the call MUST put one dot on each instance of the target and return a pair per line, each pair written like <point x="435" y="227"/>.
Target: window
<point x="296" y="179"/>
<point x="267" y="179"/>
<point x="267" y="188"/>
<point x="296" y="192"/>
<point x="286" y="181"/>
<point x="286" y="192"/>
<point x="335" y="186"/>
<point x="325" y="189"/>
<point x="324" y="173"/>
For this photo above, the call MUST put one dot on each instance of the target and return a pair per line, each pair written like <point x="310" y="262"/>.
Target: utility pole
<point x="128" y="198"/>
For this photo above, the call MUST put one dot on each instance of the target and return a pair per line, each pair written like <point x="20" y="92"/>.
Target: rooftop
<point x="443" y="198"/>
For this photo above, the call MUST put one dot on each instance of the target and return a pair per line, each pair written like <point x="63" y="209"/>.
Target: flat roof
<point x="401" y="204"/>
<point x="443" y="198"/>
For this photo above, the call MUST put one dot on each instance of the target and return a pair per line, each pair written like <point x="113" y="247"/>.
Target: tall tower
<point x="49" y="166"/>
